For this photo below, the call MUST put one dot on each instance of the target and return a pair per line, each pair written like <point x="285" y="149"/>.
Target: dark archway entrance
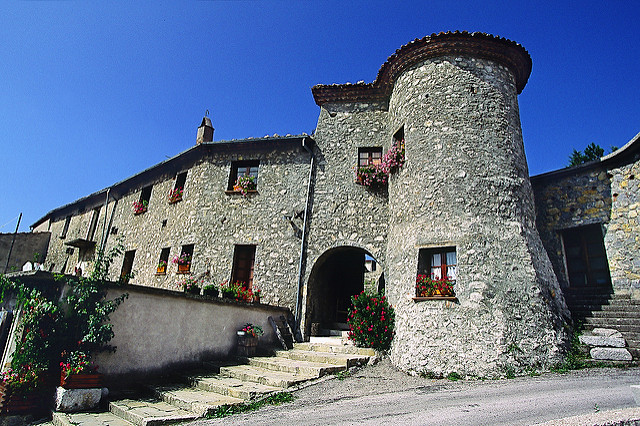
<point x="336" y="276"/>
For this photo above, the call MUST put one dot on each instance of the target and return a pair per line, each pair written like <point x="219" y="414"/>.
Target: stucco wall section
<point x="157" y="330"/>
<point x="465" y="184"/>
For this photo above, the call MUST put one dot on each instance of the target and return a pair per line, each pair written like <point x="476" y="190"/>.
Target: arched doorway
<point x="338" y="274"/>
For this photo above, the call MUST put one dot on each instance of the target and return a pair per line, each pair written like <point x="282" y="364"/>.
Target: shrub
<point x="210" y="290"/>
<point x="371" y="321"/>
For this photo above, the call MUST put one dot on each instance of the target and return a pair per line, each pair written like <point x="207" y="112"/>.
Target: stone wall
<point x="604" y="192"/>
<point x="465" y="185"/>
<point x="211" y="218"/>
<point x="344" y="213"/>
<point x="27" y="247"/>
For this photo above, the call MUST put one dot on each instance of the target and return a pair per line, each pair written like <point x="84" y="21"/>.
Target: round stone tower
<point x="462" y="206"/>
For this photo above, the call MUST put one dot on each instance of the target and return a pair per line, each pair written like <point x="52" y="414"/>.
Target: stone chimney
<point x="205" y="131"/>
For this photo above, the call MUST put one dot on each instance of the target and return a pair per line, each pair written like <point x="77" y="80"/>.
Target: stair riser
<point x="227" y="391"/>
<point x="326" y="357"/>
<point x="255" y="378"/>
<point x="287" y="368"/>
<point x="346" y="349"/>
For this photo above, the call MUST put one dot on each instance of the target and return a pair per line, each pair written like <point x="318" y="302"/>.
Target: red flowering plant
<point x="371" y="321"/>
<point x="140" y="207"/>
<point x="237" y="290"/>
<point x="244" y="184"/>
<point x="427" y="287"/>
<point x="377" y="175"/>
<point x="175" y="194"/>
<point x="252" y="330"/>
<point x="190" y="285"/>
<point x="76" y="362"/>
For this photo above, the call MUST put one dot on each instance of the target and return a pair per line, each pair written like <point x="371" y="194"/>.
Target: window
<point x="184" y="260"/>
<point x="243" y="261"/>
<point x="142" y="204"/>
<point x="127" y="266"/>
<point x="244" y="169"/>
<point x="93" y="224"/>
<point x="163" y="261"/>
<point x="175" y="194"/>
<point x="586" y="257"/>
<point x="65" y="228"/>
<point x="369" y="156"/>
<point x="438" y="263"/>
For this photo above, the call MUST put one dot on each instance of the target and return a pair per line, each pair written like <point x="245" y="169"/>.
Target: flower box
<point x="81" y="381"/>
<point x="162" y="270"/>
<point x="184" y="269"/>
<point x="18" y="404"/>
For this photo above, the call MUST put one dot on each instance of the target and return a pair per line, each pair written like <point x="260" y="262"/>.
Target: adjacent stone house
<point x="462" y="206"/>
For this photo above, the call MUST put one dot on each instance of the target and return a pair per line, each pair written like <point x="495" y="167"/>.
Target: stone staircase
<point x="603" y="309"/>
<point x="201" y="393"/>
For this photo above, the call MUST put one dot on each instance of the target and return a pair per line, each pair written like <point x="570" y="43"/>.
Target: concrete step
<point x="149" y="412"/>
<point x="334" y="348"/>
<point x="627" y="313"/>
<point x="199" y="401"/>
<point x="88" y="419"/>
<point x="233" y="387"/>
<point x="306" y="368"/>
<point x="263" y="376"/>
<point x="346" y="360"/>
<point x="622" y="325"/>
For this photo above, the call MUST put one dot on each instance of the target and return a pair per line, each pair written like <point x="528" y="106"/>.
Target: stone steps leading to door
<point x="202" y="392"/>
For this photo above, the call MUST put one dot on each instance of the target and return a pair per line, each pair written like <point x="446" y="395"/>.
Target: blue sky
<point x="94" y="92"/>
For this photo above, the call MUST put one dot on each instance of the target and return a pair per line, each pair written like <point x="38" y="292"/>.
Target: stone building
<point x="462" y="206"/>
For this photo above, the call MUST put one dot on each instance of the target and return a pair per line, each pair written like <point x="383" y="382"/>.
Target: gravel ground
<point x="381" y="394"/>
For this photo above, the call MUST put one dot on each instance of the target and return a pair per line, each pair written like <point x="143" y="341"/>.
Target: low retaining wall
<point x="158" y="330"/>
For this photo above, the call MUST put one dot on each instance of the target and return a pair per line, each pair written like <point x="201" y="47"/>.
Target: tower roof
<point x="482" y="45"/>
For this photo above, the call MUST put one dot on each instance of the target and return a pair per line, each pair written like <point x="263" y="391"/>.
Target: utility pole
<point x="13" y="240"/>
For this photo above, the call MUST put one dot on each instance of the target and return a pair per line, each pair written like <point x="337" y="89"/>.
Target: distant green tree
<point x="591" y="152"/>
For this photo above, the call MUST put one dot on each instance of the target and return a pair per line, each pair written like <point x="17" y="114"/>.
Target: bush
<point x="371" y="321"/>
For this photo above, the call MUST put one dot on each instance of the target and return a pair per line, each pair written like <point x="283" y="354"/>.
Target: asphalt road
<point x="380" y="395"/>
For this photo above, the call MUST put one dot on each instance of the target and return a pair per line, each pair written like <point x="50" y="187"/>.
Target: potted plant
<point x="248" y="339"/>
<point x="77" y="372"/>
<point x="228" y="290"/>
<point x="162" y="267"/>
<point x="175" y="195"/>
<point x="210" y="290"/>
<point x="244" y="184"/>
<point x="256" y="295"/>
<point x="140" y="207"/>
<point x="183" y="261"/>
<point x="190" y="285"/>
<point x="20" y="390"/>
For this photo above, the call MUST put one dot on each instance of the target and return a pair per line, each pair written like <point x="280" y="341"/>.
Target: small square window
<point x="184" y="260"/>
<point x="176" y="193"/>
<point x="142" y="204"/>
<point x="126" y="273"/>
<point x="65" y="228"/>
<point x="163" y="261"/>
<point x="244" y="175"/>
<point x="437" y="271"/>
<point x="369" y="156"/>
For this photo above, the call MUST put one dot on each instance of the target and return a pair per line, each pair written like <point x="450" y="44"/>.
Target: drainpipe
<point x="104" y="228"/>
<point x="298" y="312"/>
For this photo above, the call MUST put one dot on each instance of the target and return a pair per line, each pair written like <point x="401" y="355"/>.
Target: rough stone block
<point x="72" y="400"/>
<point x="635" y="390"/>
<point x="610" y="354"/>
<point x="606" y="332"/>
<point x="613" y="342"/>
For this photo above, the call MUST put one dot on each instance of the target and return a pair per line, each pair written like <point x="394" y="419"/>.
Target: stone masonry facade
<point x="464" y="189"/>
